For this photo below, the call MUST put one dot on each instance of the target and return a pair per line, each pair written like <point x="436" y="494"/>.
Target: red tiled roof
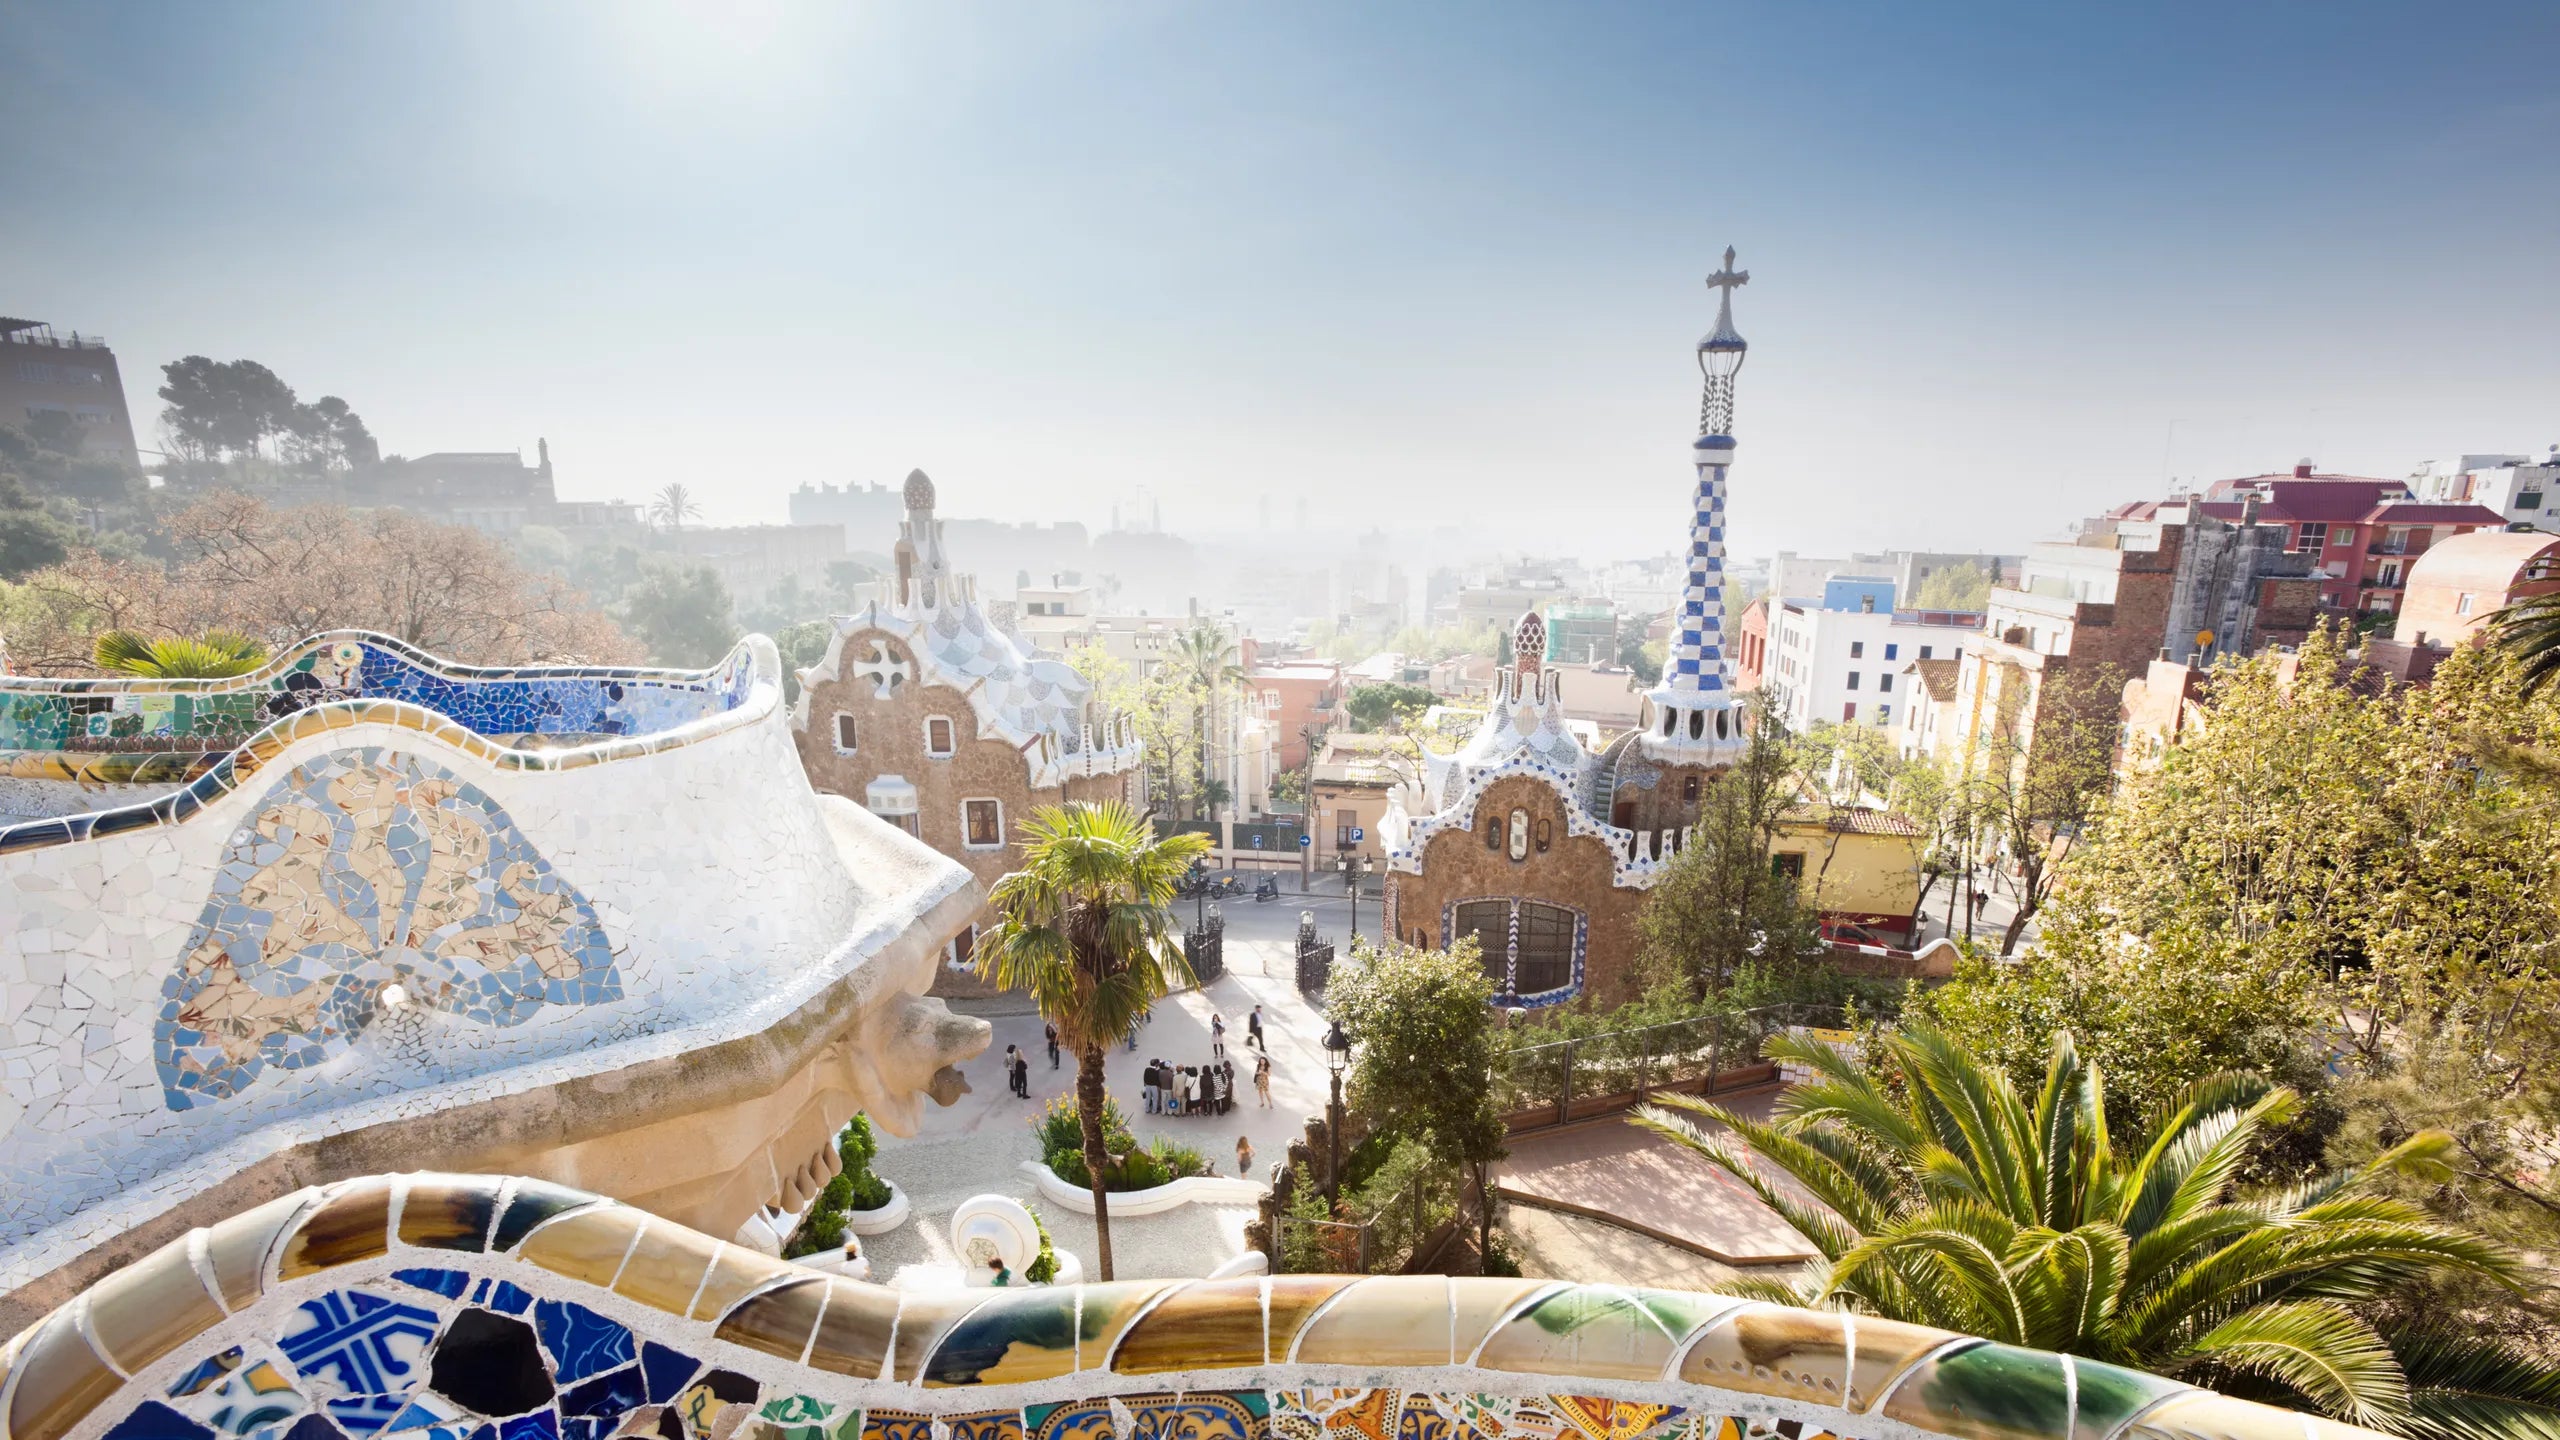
<point x="2419" y="512"/>
<point x="2325" y="500"/>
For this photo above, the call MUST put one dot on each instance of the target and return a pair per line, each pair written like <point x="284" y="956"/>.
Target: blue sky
<point x="1413" y="263"/>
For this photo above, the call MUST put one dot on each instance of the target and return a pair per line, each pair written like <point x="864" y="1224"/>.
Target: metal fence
<point x="1620" y="1062"/>
<point x="1402" y="1234"/>
<point x="1278" y="837"/>
<point x="1315" y="960"/>
<point x="1206" y="949"/>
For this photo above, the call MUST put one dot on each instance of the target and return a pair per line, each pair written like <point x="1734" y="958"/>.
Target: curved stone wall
<point x="453" y="1307"/>
<point x="376" y="935"/>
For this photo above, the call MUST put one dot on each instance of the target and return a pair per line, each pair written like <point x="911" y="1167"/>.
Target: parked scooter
<point x="1266" y="889"/>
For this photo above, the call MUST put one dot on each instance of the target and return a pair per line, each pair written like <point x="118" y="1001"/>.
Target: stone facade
<point x="1573" y="872"/>
<point x="930" y="714"/>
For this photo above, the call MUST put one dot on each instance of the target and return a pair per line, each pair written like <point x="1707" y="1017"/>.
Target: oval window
<point x="1546" y="835"/>
<point x="1519" y="834"/>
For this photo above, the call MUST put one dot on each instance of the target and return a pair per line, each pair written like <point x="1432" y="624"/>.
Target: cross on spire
<point x="1728" y="277"/>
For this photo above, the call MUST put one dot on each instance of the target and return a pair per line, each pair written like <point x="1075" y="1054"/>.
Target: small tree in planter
<point x="854" y="1188"/>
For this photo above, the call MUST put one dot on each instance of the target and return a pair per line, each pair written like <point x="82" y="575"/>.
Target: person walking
<point x="1053" y="1047"/>
<point x="1244" y="1155"/>
<point x="1253" y="1031"/>
<point x="1013" y="1071"/>
<point x="1217" y="1037"/>
<point x="1262" y="1078"/>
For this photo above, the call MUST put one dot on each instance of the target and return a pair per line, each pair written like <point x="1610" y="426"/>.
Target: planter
<point x="1193" y="1189"/>
<point x="883" y="1220"/>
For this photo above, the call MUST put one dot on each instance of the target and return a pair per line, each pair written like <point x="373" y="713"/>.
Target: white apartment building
<point x="2520" y="487"/>
<point x="1840" y="660"/>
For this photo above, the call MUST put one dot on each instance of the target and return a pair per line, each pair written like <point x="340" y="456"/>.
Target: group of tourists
<point x="1210" y="1089"/>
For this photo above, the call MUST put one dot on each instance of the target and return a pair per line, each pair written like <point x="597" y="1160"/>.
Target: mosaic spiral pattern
<point x="363" y="869"/>
<point x="453" y="1307"/>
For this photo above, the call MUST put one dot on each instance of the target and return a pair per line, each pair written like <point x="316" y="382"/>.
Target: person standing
<point x="1022" y="1074"/>
<point x="1217" y="1037"/>
<point x="1053" y="1047"/>
<point x="1253" y="1031"/>
<point x="1012" y="1076"/>
<point x="1244" y="1155"/>
<point x="1147" y="1085"/>
<point x="1262" y="1078"/>
<point x="1190" y="1089"/>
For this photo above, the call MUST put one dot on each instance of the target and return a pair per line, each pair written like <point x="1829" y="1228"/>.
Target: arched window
<point x="1493" y="832"/>
<point x="1490" y="922"/>
<point x="1519" y="834"/>
<point x="1546" y="835"/>
<point x="1545" y="958"/>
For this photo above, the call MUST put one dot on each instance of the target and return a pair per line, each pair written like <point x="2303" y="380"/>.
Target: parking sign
<point x="1358" y="834"/>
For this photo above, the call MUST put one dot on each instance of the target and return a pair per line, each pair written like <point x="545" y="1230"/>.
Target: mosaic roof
<point x="454" y="1307"/>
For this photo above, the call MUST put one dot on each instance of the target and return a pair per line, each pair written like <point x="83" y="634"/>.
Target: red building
<point x="1298" y="699"/>
<point x="1751" y="646"/>
<point x="2363" y="534"/>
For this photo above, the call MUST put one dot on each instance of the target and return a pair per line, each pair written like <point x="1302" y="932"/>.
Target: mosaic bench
<point x="468" y="1307"/>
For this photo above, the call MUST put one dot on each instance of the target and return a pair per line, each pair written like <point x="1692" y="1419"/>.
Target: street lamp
<point x="1337" y="1058"/>
<point x="1199" y="892"/>
<point x="1353" y="867"/>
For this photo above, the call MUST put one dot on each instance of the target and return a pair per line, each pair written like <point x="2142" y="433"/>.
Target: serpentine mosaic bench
<point x="465" y="1307"/>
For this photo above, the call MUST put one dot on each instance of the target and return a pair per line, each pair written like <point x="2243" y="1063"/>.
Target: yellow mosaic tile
<point x="1210" y="1325"/>
<point x="1772" y="1350"/>
<point x="777" y="1321"/>
<point x="150" y="1308"/>
<point x="854" y="1333"/>
<point x="585" y="1244"/>
<point x="1883" y="1350"/>
<point x="666" y="1271"/>
<point x="58" y="1380"/>
<point x="1590" y="1330"/>
<point x="353" y="1223"/>
<point x="239" y="1247"/>
<point x="734" y="1272"/>
<point x="1388" y="1320"/>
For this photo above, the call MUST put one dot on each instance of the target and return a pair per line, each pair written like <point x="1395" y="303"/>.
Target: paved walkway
<point x="1611" y="1170"/>
<point x="977" y="1145"/>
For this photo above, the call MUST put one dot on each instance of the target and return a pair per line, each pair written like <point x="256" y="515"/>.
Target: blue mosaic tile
<point x="152" y="1420"/>
<point x="666" y="1371"/>
<point x="581" y="1342"/>
<point x="609" y="1394"/>
<point x="447" y="1283"/>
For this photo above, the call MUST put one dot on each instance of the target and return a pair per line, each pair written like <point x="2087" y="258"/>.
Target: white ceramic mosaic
<point x="178" y="1000"/>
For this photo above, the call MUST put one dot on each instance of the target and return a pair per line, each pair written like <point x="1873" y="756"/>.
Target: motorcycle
<point x="1268" y="889"/>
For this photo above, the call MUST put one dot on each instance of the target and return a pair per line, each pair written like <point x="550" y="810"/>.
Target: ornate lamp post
<point x="1354" y="867"/>
<point x="1337" y="1058"/>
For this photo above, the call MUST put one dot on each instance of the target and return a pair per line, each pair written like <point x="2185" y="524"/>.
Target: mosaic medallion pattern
<point x="361" y="870"/>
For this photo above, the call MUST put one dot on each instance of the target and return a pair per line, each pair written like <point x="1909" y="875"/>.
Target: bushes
<point x="855" y="1188"/>
<point x="1160" y="1161"/>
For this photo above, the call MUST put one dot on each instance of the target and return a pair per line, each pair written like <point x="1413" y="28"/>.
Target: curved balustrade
<point x="169" y="746"/>
<point x="459" y="1307"/>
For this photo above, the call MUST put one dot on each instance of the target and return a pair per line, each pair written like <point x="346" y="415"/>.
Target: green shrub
<point x="858" y="1145"/>
<point x="823" y="1226"/>
<point x="1043" y="1268"/>
<point x="1160" y="1161"/>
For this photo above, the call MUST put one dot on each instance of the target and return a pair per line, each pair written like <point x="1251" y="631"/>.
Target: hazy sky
<point x="2010" y="264"/>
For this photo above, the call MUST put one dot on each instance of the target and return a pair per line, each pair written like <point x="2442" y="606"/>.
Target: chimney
<point x="2302" y="471"/>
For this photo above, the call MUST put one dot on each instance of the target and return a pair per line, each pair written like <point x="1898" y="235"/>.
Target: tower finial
<point x="1720" y="355"/>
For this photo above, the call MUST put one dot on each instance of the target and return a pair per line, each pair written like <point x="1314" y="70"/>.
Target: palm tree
<point x="2530" y="631"/>
<point x="673" y="506"/>
<point x="1212" y="659"/>
<point x="213" y="655"/>
<point x="1945" y="1200"/>
<point x="1086" y="927"/>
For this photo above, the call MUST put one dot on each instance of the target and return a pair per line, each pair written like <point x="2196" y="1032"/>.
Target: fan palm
<point x="1938" y="1195"/>
<point x="2530" y="631"/>
<point x="1210" y="657"/>
<point x="1086" y="928"/>
<point x="213" y="655"/>
<point x="672" y="506"/>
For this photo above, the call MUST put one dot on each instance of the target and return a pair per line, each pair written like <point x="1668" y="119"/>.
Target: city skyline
<point x="1415" y="268"/>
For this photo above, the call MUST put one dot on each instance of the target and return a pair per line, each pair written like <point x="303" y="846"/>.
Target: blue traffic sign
<point x="1257" y="842"/>
<point x="1358" y="834"/>
<point x="1303" y="841"/>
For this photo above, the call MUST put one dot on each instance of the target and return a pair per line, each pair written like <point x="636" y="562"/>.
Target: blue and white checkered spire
<point x="1692" y="709"/>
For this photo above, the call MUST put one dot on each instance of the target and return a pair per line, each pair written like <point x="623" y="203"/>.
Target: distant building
<point x="1796" y="576"/>
<point x="1836" y="660"/>
<point x="49" y="371"/>
<point x="2458" y="583"/>
<point x="1352" y="777"/>
<point x="754" y="560"/>
<point x="1463" y="677"/>
<point x="1299" y="700"/>
<point x="492" y="491"/>
<point x="1751" y="647"/>
<point x="2360" y="534"/>
<point x="1581" y="630"/>
<point x="1605" y="694"/>
<point x="2522" y="488"/>
<point x="1928" y="705"/>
